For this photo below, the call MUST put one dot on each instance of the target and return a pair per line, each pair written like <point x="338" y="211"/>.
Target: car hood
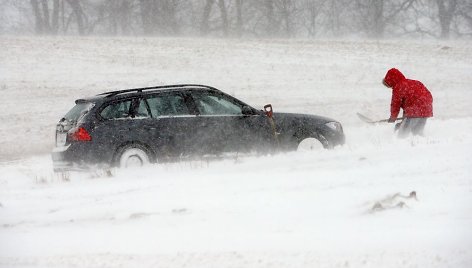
<point x="303" y="117"/>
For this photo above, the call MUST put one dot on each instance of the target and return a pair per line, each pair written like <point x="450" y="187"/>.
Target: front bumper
<point x="334" y="137"/>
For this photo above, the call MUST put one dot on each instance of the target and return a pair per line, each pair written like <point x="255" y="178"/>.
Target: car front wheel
<point x="314" y="144"/>
<point x="310" y="144"/>
<point x="133" y="156"/>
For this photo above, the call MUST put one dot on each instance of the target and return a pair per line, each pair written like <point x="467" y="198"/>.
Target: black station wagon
<point x="159" y="124"/>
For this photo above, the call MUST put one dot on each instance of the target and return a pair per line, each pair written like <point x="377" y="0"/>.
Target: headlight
<point x="336" y="126"/>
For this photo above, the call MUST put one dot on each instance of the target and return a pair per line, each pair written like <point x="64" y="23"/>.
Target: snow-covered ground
<point x="300" y="209"/>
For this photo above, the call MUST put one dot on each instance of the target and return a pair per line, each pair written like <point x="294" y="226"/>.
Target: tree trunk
<point x="145" y="16"/>
<point x="446" y="10"/>
<point x="286" y="10"/>
<point x="334" y="21"/>
<point x="46" y="25"/>
<point x="63" y="16"/>
<point x="239" y="18"/>
<point x="204" y="26"/>
<point x="38" y="17"/>
<point x="270" y="13"/>
<point x="123" y="16"/>
<point x="55" y="17"/>
<point x="379" y="22"/>
<point x="174" y="24"/>
<point x="313" y="14"/>
<point x="168" y="15"/>
<point x="78" y="12"/>
<point x="224" y="16"/>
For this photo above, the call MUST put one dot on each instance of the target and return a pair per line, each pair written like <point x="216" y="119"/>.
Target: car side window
<point x="209" y="103"/>
<point x="117" y="110"/>
<point x="142" y="111"/>
<point x="167" y="105"/>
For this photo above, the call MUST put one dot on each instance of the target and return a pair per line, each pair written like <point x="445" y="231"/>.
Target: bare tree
<point x="263" y="18"/>
<point x="466" y="12"/>
<point x="287" y="9"/>
<point x="446" y="11"/>
<point x="335" y="16"/>
<point x="55" y="17"/>
<point x="146" y="15"/>
<point x="160" y="16"/>
<point x="375" y="16"/>
<point x="170" y="11"/>
<point x="272" y="26"/>
<point x="205" y="24"/>
<point x="79" y="15"/>
<point x="313" y="9"/>
<point x="44" y="24"/>
<point x="224" y="17"/>
<point x="38" y="16"/>
<point x="239" y="18"/>
<point x="119" y="15"/>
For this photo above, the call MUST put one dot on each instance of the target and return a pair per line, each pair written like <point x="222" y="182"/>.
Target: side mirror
<point x="247" y="110"/>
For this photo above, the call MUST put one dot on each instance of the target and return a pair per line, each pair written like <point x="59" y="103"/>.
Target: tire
<point x="133" y="155"/>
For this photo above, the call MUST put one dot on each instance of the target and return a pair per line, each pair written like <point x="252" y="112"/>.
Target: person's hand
<point x="391" y="120"/>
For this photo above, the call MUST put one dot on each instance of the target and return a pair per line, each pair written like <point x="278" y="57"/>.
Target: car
<point x="134" y="127"/>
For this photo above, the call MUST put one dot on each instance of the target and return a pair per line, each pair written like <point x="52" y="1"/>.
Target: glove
<point x="391" y="120"/>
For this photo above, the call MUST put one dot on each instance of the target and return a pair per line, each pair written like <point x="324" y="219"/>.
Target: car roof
<point x="133" y="91"/>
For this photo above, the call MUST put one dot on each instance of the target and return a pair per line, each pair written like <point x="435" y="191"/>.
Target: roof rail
<point x="113" y="93"/>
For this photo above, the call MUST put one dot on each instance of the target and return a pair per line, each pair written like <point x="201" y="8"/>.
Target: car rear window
<point x="79" y="110"/>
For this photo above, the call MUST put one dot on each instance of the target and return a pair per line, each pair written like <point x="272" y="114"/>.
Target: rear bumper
<point x="77" y="157"/>
<point x="60" y="162"/>
<point x="63" y="166"/>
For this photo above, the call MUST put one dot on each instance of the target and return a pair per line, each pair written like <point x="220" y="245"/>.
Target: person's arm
<point x="395" y="105"/>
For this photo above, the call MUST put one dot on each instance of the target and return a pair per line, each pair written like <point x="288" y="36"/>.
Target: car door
<point x="222" y="127"/>
<point x="170" y="124"/>
<point x="119" y="126"/>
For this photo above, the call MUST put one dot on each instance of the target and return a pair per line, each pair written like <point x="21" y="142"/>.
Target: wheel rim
<point x="310" y="144"/>
<point x="133" y="157"/>
<point x="134" y="161"/>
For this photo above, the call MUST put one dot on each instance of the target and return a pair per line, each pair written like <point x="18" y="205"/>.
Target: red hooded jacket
<point x="411" y="95"/>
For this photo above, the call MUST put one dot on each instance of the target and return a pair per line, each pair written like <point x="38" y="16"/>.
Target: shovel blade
<point x="365" y="118"/>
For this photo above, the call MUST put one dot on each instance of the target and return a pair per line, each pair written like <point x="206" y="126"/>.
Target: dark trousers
<point x="412" y="125"/>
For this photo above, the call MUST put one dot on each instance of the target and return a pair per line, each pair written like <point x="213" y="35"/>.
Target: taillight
<point x="79" y="134"/>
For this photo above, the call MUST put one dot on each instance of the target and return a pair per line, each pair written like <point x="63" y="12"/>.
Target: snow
<point x="299" y="209"/>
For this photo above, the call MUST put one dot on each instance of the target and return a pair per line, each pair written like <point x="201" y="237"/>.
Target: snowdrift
<point x="302" y="209"/>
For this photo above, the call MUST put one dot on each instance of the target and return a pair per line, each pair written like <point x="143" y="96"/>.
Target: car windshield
<point x="79" y="110"/>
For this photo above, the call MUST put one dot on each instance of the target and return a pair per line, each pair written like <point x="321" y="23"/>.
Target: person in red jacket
<point x="415" y="100"/>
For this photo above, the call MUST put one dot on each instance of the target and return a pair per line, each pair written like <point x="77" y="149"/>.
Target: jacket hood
<point x="393" y="77"/>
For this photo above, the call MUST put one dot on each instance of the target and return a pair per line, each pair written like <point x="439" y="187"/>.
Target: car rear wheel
<point x="310" y="144"/>
<point x="133" y="156"/>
